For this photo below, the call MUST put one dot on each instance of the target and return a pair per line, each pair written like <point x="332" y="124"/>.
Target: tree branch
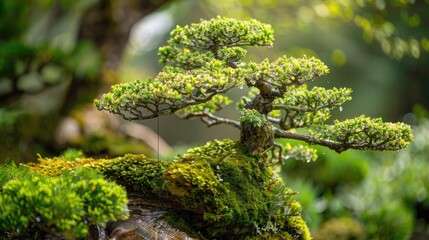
<point x="336" y="146"/>
<point x="274" y="120"/>
<point x="302" y="109"/>
<point x="210" y="119"/>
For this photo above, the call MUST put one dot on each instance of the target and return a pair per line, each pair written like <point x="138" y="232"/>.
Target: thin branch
<point x="274" y="120"/>
<point x="302" y="109"/>
<point x="211" y="119"/>
<point x="336" y="146"/>
<point x="280" y="151"/>
<point x="271" y="83"/>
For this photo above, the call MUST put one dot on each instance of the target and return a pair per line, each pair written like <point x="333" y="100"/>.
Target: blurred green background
<point x="56" y="56"/>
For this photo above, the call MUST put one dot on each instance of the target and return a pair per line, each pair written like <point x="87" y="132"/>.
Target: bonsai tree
<point x="204" y="61"/>
<point x="224" y="189"/>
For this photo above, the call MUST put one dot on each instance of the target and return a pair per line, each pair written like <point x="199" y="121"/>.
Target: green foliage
<point x="308" y="198"/>
<point x="64" y="206"/>
<point x="221" y="38"/>
<point x="388" y="221"/>
<point x="386" y="27"/>
<point x="301" y="152"/>
<point x="14" y="56"/>
<point x="84" y="60"/>
<point x="211" y="106"/>
<point x="387" y="195"/>
<point x="285" y="72"/>
<point x="253" y="117"/>
<point x="8" y="118"/>
<point x="383" y="206"/>
<point x="48" y="65"/>
<point x="203" y="61"/>
<point x="297" y="152"/>
<point x="304" y="108"/>
<point x="371" y="133"/>
<point x="171" y="90"/>
<point x="10" y="171"/>
<point x="42" y="58"/>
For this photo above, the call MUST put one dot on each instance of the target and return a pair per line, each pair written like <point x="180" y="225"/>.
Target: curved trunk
<point x="259" y="139"/>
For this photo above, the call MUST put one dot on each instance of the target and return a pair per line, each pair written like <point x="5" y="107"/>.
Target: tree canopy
<point x="203" y="61"/>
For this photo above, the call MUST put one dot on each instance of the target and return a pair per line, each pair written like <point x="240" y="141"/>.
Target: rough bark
<point x="256" y="139"/>
<point x="259" y="139"/>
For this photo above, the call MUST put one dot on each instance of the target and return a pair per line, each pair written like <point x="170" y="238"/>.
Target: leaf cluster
<point x="171" y="90"/>
<point x="366" y="133"/>
<point x="221" y="38"/>
<point x="303" y="108"/>
<point x="63" y="206"/>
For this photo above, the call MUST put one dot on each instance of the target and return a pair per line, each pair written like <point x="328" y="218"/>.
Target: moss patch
<point x="216" y="189"/>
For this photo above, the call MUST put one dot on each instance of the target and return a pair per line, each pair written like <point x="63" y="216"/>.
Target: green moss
<point x="217" y="190"/>
<point x="245" y="199"/>
<point x="135" y="172"/>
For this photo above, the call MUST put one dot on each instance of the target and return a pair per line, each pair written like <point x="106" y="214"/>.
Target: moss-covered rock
<point x="216" y="190"/>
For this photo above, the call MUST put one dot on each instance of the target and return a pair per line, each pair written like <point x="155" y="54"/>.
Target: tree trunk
<point x="259" y="139"/>
<point x="256" y="139"/>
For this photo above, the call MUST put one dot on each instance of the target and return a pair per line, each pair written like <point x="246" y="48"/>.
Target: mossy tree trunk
<point x="257" y="139"/>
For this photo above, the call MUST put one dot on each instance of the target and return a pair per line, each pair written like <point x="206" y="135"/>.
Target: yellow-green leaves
<point x="285" y="72"/>
<point x="171" y="90"/>
<point x="220" y="38"/>
<point x="213" y="149"/>
<point x="66" y="205"/>
<point x="211" y="106"/>
<point x="222" y="31"/>
<point x="366" y="133"/>
<point x="184" y="58"/>
<point x="254" y="117"/>
<point x="300" y="152"/>
<point x="303" y="107"/>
